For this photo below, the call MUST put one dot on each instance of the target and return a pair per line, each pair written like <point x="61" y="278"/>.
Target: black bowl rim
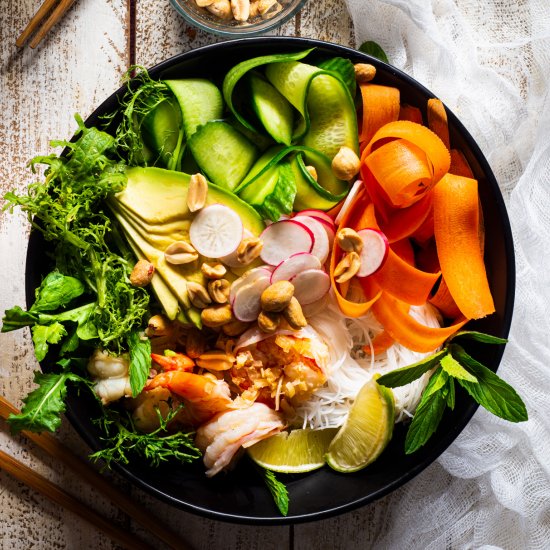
<point x="444" y="440"/>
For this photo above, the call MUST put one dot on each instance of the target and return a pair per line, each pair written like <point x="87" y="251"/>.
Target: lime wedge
<point x="366" y="432"/>
<point x="293" y="452"/>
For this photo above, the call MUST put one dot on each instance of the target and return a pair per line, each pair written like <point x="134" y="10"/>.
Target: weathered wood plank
<point x="75" y="67"/>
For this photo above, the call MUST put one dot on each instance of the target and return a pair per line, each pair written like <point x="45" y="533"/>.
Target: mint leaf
<point x="278" y="491"/>
<point x="451" y="394"/>
<point x="453" y="368"/>
<point x="16" y="318"/>
<point x="42" y="335"/>
<point x="406" y="375"/>
<point x="44" y="405"/>
<point x="56" y="291"/>
<point x="429" y="411"/>
<point x="491" y="392"/>
<point x="372" y="48"/>
<point x="478" y="337"/>
<point x="140" y="361"/>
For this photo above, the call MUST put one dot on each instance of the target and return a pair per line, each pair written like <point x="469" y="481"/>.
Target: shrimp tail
<point x="178" y="361"/>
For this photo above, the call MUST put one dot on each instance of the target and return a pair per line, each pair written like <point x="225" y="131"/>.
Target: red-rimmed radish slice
<point x="310" y="285"/>
<point x="246" y="305"/>
<point x="295" y="264"/>
<point x="216" y="231"/>
<point x="349" y="199"/>
<point x="316" y="214"/>
<point x="321" y="243"/>
<point x="283" y="239"/>
<point x="374" y="253"/>
<point x="310" y="310"/>
<point x="231" y="259"/>
<point x="249" y="277"/>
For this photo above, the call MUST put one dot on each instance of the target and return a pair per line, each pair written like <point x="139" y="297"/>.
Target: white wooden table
<point x="79" y="64"/>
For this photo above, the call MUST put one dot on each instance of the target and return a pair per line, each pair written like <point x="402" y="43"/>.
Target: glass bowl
<point x="204" y="20"/>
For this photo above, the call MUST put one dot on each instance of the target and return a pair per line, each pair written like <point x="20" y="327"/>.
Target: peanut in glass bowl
<point x="231" y="28"/>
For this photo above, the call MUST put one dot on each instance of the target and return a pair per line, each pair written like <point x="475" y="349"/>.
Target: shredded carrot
<point x="437" y="120"/>
<point x="404" y="250"/>
<point x="380" y="106"/>
<point x="444" y="302"/>
<point x="426" y="257"/>
<point x="457" y="236"/>
<point x="413" y="114"/>
<point x="459" y="165"/>
<point x="426" y="230"/>
<point x="409" y="165"/>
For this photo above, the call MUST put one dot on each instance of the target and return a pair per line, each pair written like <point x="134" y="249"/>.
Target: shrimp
<point x="177" y="361"/>
<point x="111" y="377"/>
<point x="203" y="396"/>
<point x="147" y="406"/>
<point x="221" y="437"/>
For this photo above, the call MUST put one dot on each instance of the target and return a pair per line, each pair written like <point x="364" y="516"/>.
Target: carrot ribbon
<point x="380" y="106"/>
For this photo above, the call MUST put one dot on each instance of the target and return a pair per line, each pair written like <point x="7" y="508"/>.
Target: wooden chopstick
<point x="36" y="24"/>
<point x="57" y="450"/>
<point x="56" y="494"/>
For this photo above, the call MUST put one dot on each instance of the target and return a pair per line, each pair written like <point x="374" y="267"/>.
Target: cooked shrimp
<point x="147" y="406"/>
<point x="202" y="395"/>
<point x="111" y="376"/>
<point x="177" y="361"/>
<point x="221" y="438"/>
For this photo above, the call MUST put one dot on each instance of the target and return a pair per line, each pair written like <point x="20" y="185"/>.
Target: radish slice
<point x="216" y="231"/>
<point x="374" y="253"/>
<point x="231" y="259"/>
<point x="283" y="239"/>
<point x="248" y="278"/>
<point x="349" y="199"/>
<point x="316" y="307"/>
<point x="310" y="285"/>
<point x="321" y="244"/>
<point x="247" y="306"/>
<point x="295" y="264"/>
<point x="316" y="214"/>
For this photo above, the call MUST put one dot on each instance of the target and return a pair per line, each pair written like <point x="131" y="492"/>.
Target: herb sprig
<point x="453" y="364"/>
<point x="278" y="491"/>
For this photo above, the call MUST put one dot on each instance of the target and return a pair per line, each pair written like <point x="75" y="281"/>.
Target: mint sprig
<point x="452" y="364"/>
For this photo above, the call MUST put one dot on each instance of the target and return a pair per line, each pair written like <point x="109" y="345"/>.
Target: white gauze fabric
<point x="489" y="61"/>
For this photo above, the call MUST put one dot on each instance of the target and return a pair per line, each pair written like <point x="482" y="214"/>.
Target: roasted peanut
<point x="294" y="315"/>
<point x="235" y="328"/>
<point x="312" y="172"/>
<point x="195" y="344"/>
<point x="345" y="164"/>
<point x="219" y="290"/>
<point x="221" y="9"/>
<point x="269" y="321"/>
<point x="349" y="240"/>
<point x="159" y="325"/>
<point x="364" y="72"/>
<point x="198" y="295"/>
<point x="142" y="273"/>
<point x="249" y="250"/>
<point x="213" y="271"/>
<point x="347" y="268"/>
<point x="240" y="9"/>
<point x="180" y="252"/>
<point x="215" y="360"/>
<point x="254" y="8"/>
<point x="277" y="296"/>
<point x="197" y="192"/>
<point x="203" y="3"/>
<point x="268" y="8"/>
<point x="216" y="316"/>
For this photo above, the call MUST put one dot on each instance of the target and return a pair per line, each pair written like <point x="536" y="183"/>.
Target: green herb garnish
<point x="372" y="48"/>
<point x="278" y="491"/>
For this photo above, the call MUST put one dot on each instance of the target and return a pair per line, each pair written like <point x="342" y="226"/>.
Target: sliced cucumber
<point x="223" y="153"/>
<point x="343" y="69"/>
<point x="200" y="102"/>
<point x="273" y="110"/>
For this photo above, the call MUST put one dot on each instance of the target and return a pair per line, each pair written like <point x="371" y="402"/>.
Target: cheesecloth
<point x="489" y="61"/>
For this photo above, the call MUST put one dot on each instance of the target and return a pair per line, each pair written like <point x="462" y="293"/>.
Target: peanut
<point x="294" y="315"/>
<point x="254" y="8"/>
<point x="349" y="240"/>
<point x="268" y="8"/>
<point x="216" y="316"/>
<point x="240" y="9"/>
<point x="249" y="250"/>
<point x="269" y="321"/>
<point x="159" y="325"/>
<point x="347" y="268"/>
<point x="197" y="192"/>
<point x="312" y="172"/>
<point x="213" y="271"/>
<point x="276" y="297"/>
<point x="195" y="344"/>
<point x="203" y="3"/>
<point x="219" y="290"/>
<point x="198" y="295"/>
<point x="364" y="72"/>
<point x="142" y="273"/>
<point x="235" y="328"/>
<point x="215" y="360"/>
<point x="345" y="164"/>
<point x="180" y="252"/>
<point x="221" y="9"/>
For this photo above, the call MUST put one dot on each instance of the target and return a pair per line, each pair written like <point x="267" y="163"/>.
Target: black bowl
<point x="241" y="495"/>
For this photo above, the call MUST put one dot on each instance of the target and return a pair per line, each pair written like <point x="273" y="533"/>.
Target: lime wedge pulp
<point x="293" y="452"/>
<point x="366" y="431"/>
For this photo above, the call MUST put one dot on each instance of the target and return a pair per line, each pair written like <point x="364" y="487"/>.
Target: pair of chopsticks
<point x="62" y="453"/>
<point x="44" y="19"/>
